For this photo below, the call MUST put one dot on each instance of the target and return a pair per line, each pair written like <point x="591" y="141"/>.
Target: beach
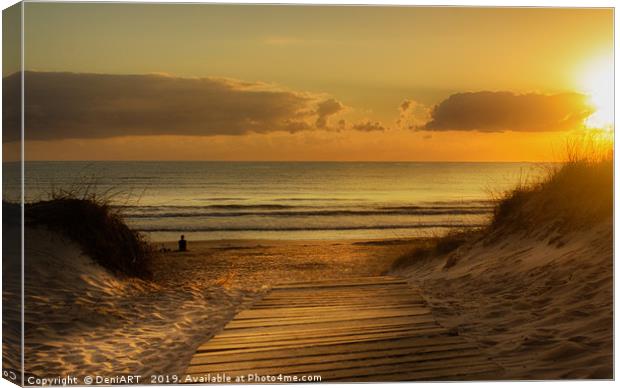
<point x="539" y="306"/>
<point x="255" y="265"/>
<point x="534" y="307"/>
<point x="532" y="289"/>
<point x="84" y="320"/>
<point x="249" y="225"/>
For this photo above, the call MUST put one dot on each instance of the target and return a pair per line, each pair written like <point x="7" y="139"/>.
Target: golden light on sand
<point x="597" y="81"/>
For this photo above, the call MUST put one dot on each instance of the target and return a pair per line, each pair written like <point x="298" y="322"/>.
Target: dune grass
<point x="437" y="247"/>
<point x="575" y="195"/>
<point x="90" y="220"/>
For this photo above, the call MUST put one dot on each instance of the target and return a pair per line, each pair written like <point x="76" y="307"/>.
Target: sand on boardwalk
<point x="540" y="305"/>
<point x="82" y="320"/>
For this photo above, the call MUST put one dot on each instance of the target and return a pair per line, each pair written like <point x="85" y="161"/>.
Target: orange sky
<point x="393" y="146"/>
<point x="312" y="83"/>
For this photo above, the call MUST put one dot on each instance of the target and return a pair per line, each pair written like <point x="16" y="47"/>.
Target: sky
<point x="226" y="82"/>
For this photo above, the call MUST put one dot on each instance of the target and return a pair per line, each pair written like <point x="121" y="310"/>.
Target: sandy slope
<point x="540" y="306"/>
<point x="80" y="319"/>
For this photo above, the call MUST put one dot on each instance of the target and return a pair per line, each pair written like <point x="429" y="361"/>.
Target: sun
<point x="596" y="80"/>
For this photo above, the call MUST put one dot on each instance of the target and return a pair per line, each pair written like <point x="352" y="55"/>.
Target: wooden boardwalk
<point x="361" y="329"/>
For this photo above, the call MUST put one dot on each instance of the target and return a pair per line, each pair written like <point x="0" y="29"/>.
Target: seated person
<point x="182" y="244"/>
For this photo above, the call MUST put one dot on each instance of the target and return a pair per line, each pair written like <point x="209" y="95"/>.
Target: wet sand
<point x="254" y="265"/>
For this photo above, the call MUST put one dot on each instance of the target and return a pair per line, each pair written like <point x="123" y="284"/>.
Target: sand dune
<point x="540" y="305"/>
<point x="80" y="319"/>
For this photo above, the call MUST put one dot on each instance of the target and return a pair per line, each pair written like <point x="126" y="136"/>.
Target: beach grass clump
<point x="98" y="228"/>
<point x="576" y="194"/>
<point x="435" y="247"/>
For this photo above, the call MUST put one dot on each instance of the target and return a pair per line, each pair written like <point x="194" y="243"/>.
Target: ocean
<point x="287" y="200"/>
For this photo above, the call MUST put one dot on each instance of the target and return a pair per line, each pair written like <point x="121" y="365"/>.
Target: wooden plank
<point x="438" y="352"/>
<point x="309" y="321"/>
<point x="366" y="289"/>
<point x="324" y="309"/>
<point x="296" y="335"/>
<point x="372" y="282"/>
<point x="324" y="328"/>
<point x="418" y="345"/>
<point x="347" y="279"/>
<point x="434" y="369"/>
<point x="319" y="363"/>
<point x="315" y="296"/>
<point x="353" y="299"/>
<point x="351" y="369"/>
<point x="438" y="370"/>
<point x="358" y="329"/>
<point x="320" y="300"/>
<point x="339" y="340"/>
<point x="315" y="340"/>
<point x="360" y="301"/>
<point x="364" y="280"/>
<point x="343" y="289"/>
<point x="314" y="310"/>
<point x="329" y="316"/>
<point x="469" y="373"/>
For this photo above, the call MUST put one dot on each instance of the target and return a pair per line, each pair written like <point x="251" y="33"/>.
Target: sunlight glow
<point x="597" y="81"/>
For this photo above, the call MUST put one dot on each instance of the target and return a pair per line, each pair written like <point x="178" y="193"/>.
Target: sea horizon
<point x="215" y="200"/>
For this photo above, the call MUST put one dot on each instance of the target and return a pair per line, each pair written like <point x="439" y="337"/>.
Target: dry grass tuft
<point x="89" y="220"/>
<point x="435" y="247"/>
<point x="576" y="195"/>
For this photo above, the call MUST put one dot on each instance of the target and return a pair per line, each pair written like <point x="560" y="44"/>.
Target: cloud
<point x="405" y="105"/>
<point x="91" y="106"/>
<point x="412" y="114"/>
<point x="369" y="126"/>
<point x="325" y="109"/>
<point x="500" y="111"/>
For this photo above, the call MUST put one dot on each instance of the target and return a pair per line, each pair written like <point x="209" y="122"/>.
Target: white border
<point x="479" y="3"/>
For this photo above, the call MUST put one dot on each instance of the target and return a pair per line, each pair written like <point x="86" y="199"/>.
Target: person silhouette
<point x="182" y="244"/>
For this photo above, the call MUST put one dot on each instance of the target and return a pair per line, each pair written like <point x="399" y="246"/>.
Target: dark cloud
<point x="325" y="109"/>
<point x="368" y="126"/>
<point x="75" y="105"/>
<point x="404" y="106"/>
<point x="500" y="111"/>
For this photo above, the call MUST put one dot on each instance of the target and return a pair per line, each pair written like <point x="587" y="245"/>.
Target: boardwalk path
<point x="362" y="329"/>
